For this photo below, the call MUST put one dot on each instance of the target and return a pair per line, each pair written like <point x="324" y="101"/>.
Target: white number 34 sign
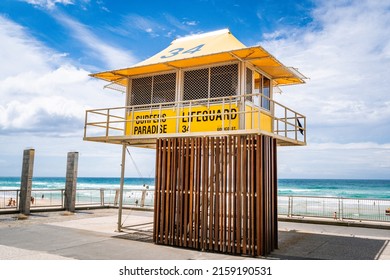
<point x="177" y="51"/>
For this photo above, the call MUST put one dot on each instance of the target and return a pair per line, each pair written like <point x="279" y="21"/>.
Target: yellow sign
<point x="184" y="120"/>
<point x="151" y="122"/>
<point x="212" y="118"/>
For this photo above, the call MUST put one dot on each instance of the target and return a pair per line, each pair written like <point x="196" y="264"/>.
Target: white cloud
<point x="135" y="22"/>
<point x="345" y="53"/>
<point x="43" y="98"/>
<point x="49" y="4"/>
<point x="141" y="23"/>
<point x="42" y="92"/>
<point x="15" y="43"/>
<point x="184" y="25"/>
<point x="113" y="57"/>
<point x="191" y="23"/>
<point x="169" y="26"/>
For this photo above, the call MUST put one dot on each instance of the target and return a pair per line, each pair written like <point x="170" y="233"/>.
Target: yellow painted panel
<point x="252" y="120"/>
<point x="194" y="119"/>
<point x="151" y="122"/>
<point x="212" y="118"/>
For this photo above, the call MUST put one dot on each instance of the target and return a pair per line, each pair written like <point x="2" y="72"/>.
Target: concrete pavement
<point x="91" y="235"/>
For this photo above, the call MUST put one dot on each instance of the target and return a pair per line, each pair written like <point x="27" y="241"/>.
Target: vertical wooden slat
<point x="162" y="191"/>
<point x="217" y="228"/>
<point x="244" y="194"/>
<point x="266" y="194"/>
<point x="161" y="194"/>
<point x="185" y="193"/>
<point x="272" y="241"/>
<point x="275" y="188"/>
<point x="182" y="191"/>
<point x="198" y="192"/>
<point x="259" y="194"/>
<point x="225" y="174"/>
<point x="205" y="175"/>
<point x="157" y="192"/>
<point x="173" y="192"/>
<point x="211" y="195"/>
<point x="191" y="192"/>
<point x="267" y="205"/>
<point x="186" y="150"/>
<point x="252" y="197"/>
<point x="207" y="194"/>
<point x="177" y="192"/>
<point x="233" y="197"/>
<point x="271" y="192"/>
<point x="238" y="197"/>
<point x="229" y="192"/>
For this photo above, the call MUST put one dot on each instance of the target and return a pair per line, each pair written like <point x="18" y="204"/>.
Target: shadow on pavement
<point x="295" y="245"/>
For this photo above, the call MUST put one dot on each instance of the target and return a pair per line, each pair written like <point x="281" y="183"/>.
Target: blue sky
<point x="50" y="46"/>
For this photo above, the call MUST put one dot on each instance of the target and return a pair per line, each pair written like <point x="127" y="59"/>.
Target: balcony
<point x="140" y="125"/>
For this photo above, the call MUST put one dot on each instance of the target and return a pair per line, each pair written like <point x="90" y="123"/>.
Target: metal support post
<point x="122" y="182"/>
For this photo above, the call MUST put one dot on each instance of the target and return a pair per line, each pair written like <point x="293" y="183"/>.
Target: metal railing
<point x="308" y="206"/>
<point x="44" y="198"/>
<point x="54" y="198"/>
<point x="337" y="208"/>
<point x="9" y="199"/>
<point x="40" y="198"/>
<point x="249" y="117"/>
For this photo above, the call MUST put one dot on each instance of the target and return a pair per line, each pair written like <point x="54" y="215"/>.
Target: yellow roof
<point x="203" y="49"/>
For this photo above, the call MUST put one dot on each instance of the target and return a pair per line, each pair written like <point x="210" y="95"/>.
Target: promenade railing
<point x="90" y="197"/>
<point x="338" y="208"/>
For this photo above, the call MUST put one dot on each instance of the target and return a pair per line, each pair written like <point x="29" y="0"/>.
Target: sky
<point x="49" y="47"/>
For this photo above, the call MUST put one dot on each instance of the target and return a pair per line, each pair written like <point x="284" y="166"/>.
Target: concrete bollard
<point x="71" y="181"/>
<point x="102" y="197"/>
<point x="26" y="181"/>
<point x="116" y="199"/>
<point x="143" y="197"/>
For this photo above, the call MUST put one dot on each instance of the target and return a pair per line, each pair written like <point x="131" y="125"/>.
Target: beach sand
<point x="38" y="203"/>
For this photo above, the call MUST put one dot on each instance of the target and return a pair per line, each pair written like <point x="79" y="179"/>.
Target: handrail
<point x="285" y="123"/>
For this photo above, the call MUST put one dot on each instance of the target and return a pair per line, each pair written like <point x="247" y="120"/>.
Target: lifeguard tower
<point x="205" y="104"/>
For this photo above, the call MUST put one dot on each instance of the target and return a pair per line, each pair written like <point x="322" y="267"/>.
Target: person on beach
<point x="32" y="200"/>
<point x="11" y="202"/>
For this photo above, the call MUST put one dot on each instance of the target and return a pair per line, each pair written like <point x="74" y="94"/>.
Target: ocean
<point x="370" y="189"/>
<point x="82" y="183"/>
<point x="346" y="188"/>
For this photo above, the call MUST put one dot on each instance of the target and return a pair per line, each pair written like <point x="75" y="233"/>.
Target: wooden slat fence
<point x="217" y="194"/>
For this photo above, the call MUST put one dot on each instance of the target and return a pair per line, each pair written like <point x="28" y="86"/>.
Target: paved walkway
<point x="91" y="235"/>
